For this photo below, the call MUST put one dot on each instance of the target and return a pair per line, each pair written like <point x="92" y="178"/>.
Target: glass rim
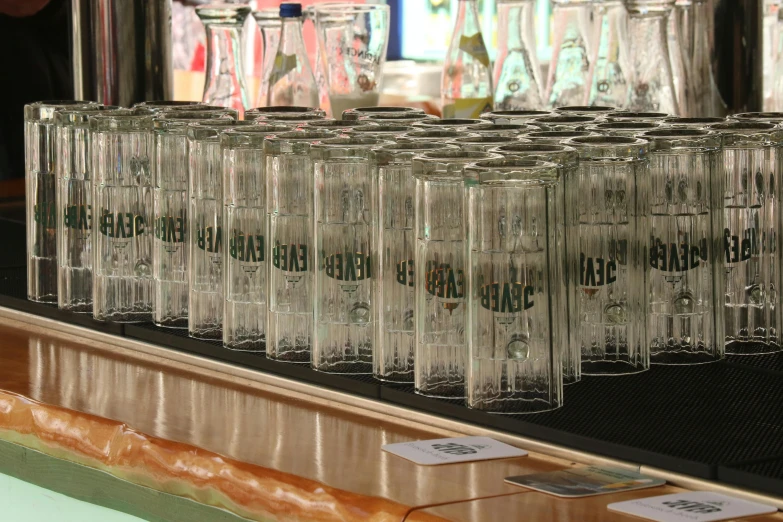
<point x="534" y="148"/>
<point x="598" y="109"/>
<point x="456" y="154"/>
<point x="292" y="117"/>
<point x="500" y="126"/>
<point x="565" y="118"/>
<point x="432" y="133"/>
<point x="256" y="130"/>
<point x="130" y="120"/>
<point x="342" y="7"/>
<point x="222" y="12"/>
<point x="76" y="115"/>
<point x="451" y="122"/>
<point x="518" y="112"/>
<point x="608" y="141"/>
<point x="166" y="103"/>
<point x="384" y="109"/>
<point x="351" y="141"/>
<point x="641" y="115"/>
<point x="413" y="146"/>
<point x="331" y="122"/>
<point x="743" y="125"/>
<point x="382" y="129"/>
<point x="695" y="120"/>
<point x="560" y="134"/>
<point x="629" y="125"/>
<point x="485" y="139"/>
<point x="392" y="116"/>
<point x="674" y="133"/>
<point x="757" y="116"/>
<point x="285" y="109"/>
<point x="44" y="110"/>
<point x="303" y="135"/>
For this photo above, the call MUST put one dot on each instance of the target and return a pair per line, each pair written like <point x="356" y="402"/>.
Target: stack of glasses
<point x="493" y="260"/>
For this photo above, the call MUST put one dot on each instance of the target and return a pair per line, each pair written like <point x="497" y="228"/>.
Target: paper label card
<point x="585" y="481"/>
<point x="692" y="506"/>
<point x="448" y="451"/>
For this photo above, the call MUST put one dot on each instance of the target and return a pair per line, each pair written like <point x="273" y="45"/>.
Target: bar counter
<point x="169" y="436"/>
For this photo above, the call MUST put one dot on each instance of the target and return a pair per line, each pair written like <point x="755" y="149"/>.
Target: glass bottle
<point x="269" y="24"/>
<point x="291" y="80"/>
<point x="517" y="73"/>
<point x="574" y="38"/>
<point x="652" y="85"/>
<point x="466" y="81"/>
<point x="224" y="84"/>
<point x="516" y="295"/>
<point x="609" y="84"/>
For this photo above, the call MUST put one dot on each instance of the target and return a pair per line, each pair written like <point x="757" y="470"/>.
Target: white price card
<point x="692" y="506"/>
<point x="448" y="451"/>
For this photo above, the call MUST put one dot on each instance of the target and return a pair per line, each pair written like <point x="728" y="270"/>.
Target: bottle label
<point x="284" y="63"/>
<point x="474" y="46"/>
<point x="467" y="108"/>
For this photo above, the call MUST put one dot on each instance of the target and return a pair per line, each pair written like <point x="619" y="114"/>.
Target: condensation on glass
<point x="441" y="279"/>
<point x="613" y="186"/>
<point x="345" y="214"/>
<point x="751" y="195"/>
<point x="515" y="288"/>
<point x="291" y="265"/>
<point x="40" y="190"/>
<point x="567" y="161"/>
<point x="394" y="349"/>
<point x="122" y="217"/>
<point x="685" y="282"/>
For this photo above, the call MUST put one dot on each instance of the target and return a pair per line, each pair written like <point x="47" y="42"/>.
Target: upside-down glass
<point x="609" y="78"/>
<point x="517" y="74"/>
<point x="686" y="283"/>
<point x="397" y="119"/>
<point x="567" y="161"/>
<point x="563" y="122"/>
<point x="458" y="124"/>
<point x="628" y="129"/>
<point x="224" y="82"/>
<point x="40" y="190"/>
<point x="514" y="116"/>
<point x="165" y="105"/>
<point x="432" y="136"/>
<point x="289" y="214"/>
<point x="269" y="24"/>
<point x="359" y="113"/>
<point x="170" y="181"/>
<point x="122" y="212"/>
<point x="394" y="350"/>
<point x="613" y="180"/>
<point x="386" y="132"/>
<point x="332" y="125"/>
<point x="345" y="216"/>
<point x="516" y="289"/>
<point x="352" y="41"/>
<point x="651" y="85"/>
<point x="245" y="255"/>
<point x="264" y="113"/>
<point x="484" y="143"/>
<point x="596" y="111"/>
<point x="751" y="168"/>
<point x="501" y="129"/>
<point x="293" y="119"/>
<point x="556" y="137"/>
<point x="205" y="248"/>
<point x="575" y="35"/>
<point x="74" y="207"/>
<point x="692" y="123"/>
<point x="441" y="226"/>
<point x="637" y="116"/>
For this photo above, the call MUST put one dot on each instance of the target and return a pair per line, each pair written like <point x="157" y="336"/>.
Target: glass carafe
<point x="269" y="24"/>
<point x="224" y="83"/>
<point x="466" y="82"/>
<point x="575" y="34"/>
<point x="516" y="75"/>
<point x="609" y="85"/>
<point x="652" y="84"/>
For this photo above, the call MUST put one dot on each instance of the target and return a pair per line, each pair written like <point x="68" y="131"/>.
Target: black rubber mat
<point x="765" y="475"/>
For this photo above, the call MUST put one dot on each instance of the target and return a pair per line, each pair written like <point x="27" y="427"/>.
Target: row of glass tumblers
<point x="521" y="281"/>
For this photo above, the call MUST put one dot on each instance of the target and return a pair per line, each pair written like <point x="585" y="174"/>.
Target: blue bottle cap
<point x="290" y="10"/>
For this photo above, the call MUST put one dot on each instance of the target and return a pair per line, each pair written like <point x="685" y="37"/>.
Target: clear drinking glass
<point x="766" y="117"/>
<point x="245" y="255"/>
<point x="165" y="105"/>
<point x="269" y="24"/>
<point x="289" y="214"/>
<point x="517" y="74"/>
<point x="556" y="137"/>
<point x="386" y="132"/>
<point x="751" y="167"/>
<point x="651" y="86"/>
<point x="296" y="120"/>
<point x="613" y="213"/>
<point x="205" y="248"/>
<point x="609" y="79"/>
<point x="352" y="40"/>
<point x="516" y="294"/>
<point x="291" y="80"/>
<point x="513" y="116"/>
<point x="484" y="143"/>
<point x="345" y="217"/>
<point x="685" y="282"/>
<point x="692" y="123"/>
<point x="575" y="35"/>
<point x="563" y="122"/>
<point x="567" y="161"/>
<point x="466" y="78"/>
<point x="628" y="129"/>
<point x="224" y="83"/>
<point x="397" y="119"/>
<point x="285" y="110"/>
<point x="171" y="224"/>
<point x="122" y="148"/>
<point x="501" y="129"/>
<point x="596" y="111"/>
<point x="359" y="113"/>
<point x="458" y="124"/>
<point x="330" y="124"/>
<point x="441" y="226"/>
<point x="395" y="347"/>
<point x="637" y="116"/>
<point x="432" y="136"/>
<point x="40" y="189"/>
<point x="74" y="206"/>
